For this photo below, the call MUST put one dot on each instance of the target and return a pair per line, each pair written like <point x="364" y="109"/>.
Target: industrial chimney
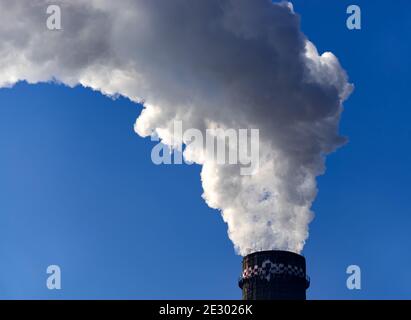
<point x="274" y="275"/>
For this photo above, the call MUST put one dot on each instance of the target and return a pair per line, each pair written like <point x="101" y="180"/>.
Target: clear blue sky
<point x="78" y="188"/>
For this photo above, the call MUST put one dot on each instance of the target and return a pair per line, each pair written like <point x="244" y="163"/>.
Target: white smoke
<point x="215" y="63"/>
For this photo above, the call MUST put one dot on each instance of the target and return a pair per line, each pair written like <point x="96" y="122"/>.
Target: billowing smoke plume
<point x="215" y="63"/>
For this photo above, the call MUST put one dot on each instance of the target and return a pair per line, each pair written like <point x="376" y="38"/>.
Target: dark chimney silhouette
<point x="274" y="275"/>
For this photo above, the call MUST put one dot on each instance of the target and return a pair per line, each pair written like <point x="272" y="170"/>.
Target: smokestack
<point x="274" y="275"/>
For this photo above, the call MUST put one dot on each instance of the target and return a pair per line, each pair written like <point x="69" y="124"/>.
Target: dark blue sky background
<point x="78" y="187"/>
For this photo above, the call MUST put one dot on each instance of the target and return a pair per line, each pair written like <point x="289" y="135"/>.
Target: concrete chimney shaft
<point x="274" y="275"/>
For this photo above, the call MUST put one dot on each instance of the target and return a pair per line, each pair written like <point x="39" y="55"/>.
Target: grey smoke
<point x="215" y="63"/>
